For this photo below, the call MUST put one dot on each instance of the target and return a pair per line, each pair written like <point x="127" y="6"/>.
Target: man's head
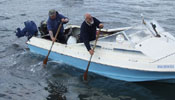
<point x="52" y="13"/>
<point x="88" y="18"/>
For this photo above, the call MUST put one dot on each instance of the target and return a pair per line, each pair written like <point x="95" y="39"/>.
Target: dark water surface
<point x="22" y="76"/>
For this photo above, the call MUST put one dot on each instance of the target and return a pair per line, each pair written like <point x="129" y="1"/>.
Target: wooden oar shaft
<point x="59" y="28"/>
<point x="89" y="63"/>
<point x="86" y="72"/>
<point x="46" y="59"/>
<point x="55" y="37"/>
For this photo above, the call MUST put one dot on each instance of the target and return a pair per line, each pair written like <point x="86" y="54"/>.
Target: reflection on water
<point x="72" y="3"/>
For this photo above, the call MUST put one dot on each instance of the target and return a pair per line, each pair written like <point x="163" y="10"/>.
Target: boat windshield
<point x="138" y="34"/>
<point x="134" y="35"/>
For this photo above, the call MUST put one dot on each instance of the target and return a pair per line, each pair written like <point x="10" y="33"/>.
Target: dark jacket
<point x="53" y="24"/>
<point x="88" y="33"/>
<point x="29" y="30"/>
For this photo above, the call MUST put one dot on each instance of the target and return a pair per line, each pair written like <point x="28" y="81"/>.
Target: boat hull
<point x="113" y="72"/>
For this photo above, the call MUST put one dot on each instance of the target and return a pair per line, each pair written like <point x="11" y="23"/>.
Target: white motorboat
<point x="144" y="52"/>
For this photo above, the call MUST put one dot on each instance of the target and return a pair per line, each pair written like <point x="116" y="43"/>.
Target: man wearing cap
<point x="53" y="23"/>
<point x="88" y="31"/>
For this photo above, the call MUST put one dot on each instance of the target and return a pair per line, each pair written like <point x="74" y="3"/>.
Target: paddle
<point x="86" y="72"/>
<point x="46" y="59"/>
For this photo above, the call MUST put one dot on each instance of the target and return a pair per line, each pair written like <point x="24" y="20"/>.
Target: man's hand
<point x="53" y="39"/>
<point x="101" y="25"/>
<point x="64" y="20"/>
<point x="91" y="52"/>
<point x="98" y="32"/>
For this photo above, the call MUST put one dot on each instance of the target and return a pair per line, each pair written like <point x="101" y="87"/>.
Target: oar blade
<point x="86" y="72"/>
<point x="45" y="61"/>
<point x="85" y="76"/>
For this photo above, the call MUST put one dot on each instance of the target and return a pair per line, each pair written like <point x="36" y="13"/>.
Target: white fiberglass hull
<point x="119" y="63"/>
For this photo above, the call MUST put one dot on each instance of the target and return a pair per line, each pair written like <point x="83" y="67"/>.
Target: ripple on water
<point x="4" y="96"/>
<point x="4" y="29"/>
<point x="2" y="1"/>
<point x="4" y="18"/>
<point x="13" y="49"/>
<point x="22" y="14"/>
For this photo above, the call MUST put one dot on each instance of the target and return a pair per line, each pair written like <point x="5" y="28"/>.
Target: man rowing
<point x="88" y="31"/>
<point x="54" y="20"/>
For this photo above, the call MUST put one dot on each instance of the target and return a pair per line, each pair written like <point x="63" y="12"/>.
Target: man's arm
<point x="85" y="37"/>
<point x="86" y="41"/>
<point x="98" y="23"/>
<point x="64" y="19"/>
<point x="51" y="36"/>
<point x="49" y="27"/>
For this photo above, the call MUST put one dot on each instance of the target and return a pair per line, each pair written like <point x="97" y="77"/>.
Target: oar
<point x="46" y="59"/>
<point x="86" y="72"/>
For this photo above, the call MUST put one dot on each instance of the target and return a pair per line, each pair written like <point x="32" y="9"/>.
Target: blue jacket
<point x="54" y="24"/>
<point x="29" y="30"/>
<point x="88" y="33"/>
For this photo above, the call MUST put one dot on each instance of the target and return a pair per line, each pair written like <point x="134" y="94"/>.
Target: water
<point x="22" y="76"/>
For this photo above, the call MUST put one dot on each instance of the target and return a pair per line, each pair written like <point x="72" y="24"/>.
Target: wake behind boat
<point x="140" y="53"/>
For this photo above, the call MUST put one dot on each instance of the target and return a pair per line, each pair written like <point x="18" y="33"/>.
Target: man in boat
<point x="88" y="31"/>
<point x="53" y="23"/>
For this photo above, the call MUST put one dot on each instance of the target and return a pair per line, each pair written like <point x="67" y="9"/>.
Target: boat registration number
<point x="166" y="66"/>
